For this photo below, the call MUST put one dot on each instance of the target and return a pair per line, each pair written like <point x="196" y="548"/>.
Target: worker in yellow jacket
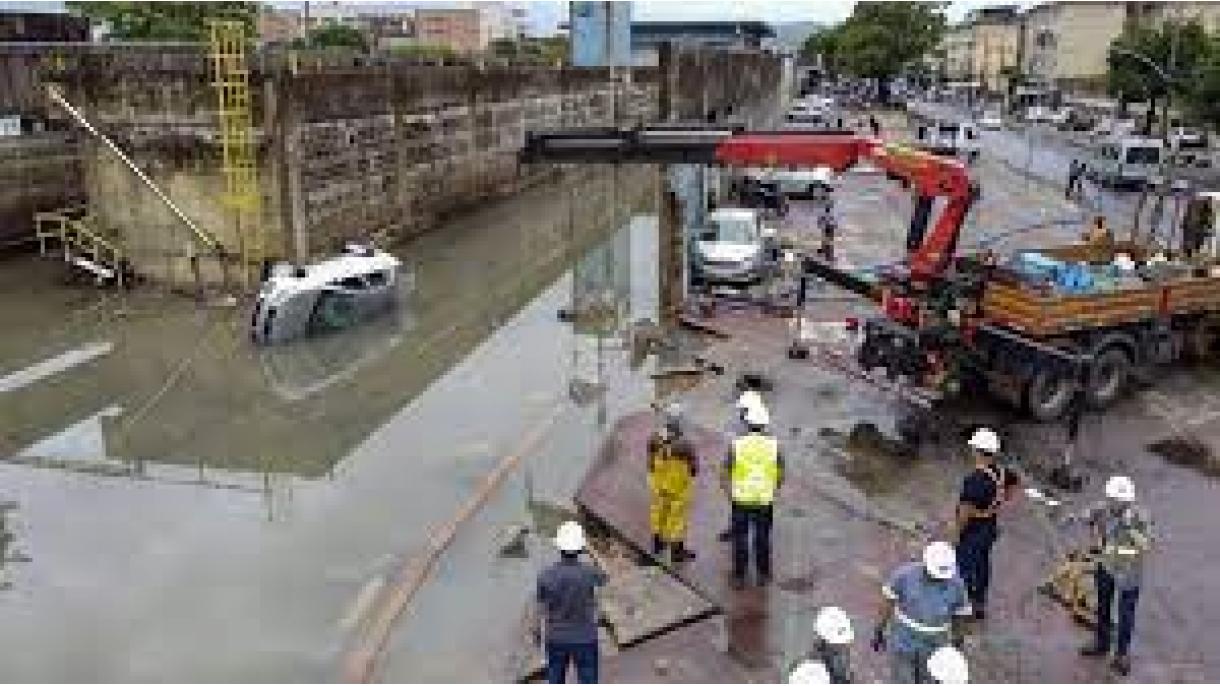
<point x="672" y="467"/>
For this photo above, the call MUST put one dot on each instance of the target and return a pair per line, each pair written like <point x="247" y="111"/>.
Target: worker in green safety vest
<point x="753" y="472"/>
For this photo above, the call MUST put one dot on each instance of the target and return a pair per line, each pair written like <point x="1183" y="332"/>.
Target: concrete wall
<point x="348" y="147"/>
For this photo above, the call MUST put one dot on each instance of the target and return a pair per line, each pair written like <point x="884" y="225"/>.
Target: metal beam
<point x="203" y="236"/>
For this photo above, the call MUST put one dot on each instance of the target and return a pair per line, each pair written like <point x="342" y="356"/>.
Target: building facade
<point x="458" y="29"/>
<point x="1065" y="44"/>
<point x="995" y="47"/>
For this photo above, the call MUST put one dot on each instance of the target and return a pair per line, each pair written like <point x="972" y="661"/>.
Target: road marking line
<point x="54" y="365"/>
<point x="360" y="660"/>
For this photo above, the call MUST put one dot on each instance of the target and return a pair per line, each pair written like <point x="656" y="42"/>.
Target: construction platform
<point x="845" y="517"/>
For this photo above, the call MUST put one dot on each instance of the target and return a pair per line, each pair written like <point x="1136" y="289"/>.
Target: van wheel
<point x="1108" y="377"/>
<point x="1048" y="395"/>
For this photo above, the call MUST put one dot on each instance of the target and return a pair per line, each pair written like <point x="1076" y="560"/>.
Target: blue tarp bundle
<point x="1064" y="277"/>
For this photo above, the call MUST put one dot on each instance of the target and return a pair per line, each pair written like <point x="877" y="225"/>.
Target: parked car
<point x="729" y="250"/>
<point x="949" y="138"/>
<point x="802" y="183"/>
<point x="1060" y="117"/>
<point x="1126" y="161"/>
<point x="1183" y="137"/>
<point x="991" y="120"/>
<point x="1037" y="114"/>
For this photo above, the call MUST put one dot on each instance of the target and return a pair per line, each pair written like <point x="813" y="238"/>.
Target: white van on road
<point x="1127" y="161"/>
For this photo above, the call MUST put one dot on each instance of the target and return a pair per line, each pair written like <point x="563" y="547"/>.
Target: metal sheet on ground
<point x="646" y="601"/>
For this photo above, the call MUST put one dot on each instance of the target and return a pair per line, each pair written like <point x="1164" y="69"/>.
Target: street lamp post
<point x="1166" y="82"/>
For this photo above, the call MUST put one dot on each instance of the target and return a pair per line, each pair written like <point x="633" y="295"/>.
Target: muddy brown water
<point x="188" y="507"/>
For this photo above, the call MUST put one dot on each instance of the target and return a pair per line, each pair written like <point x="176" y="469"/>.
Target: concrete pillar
<point x="669" y="244"/>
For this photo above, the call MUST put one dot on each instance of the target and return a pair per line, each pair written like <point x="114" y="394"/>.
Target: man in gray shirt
<point x="568" y="609"/>
<point x="1124" y="533"/>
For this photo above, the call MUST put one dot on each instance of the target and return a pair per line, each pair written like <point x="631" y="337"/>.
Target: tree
<point x="336" y="35"/>
<point x="822" y="46"/>
<point x="168" y="21"/>
<point x="1203" y="97"/>
<point x="880" y="38"/>
<point x="1178" y="49"/>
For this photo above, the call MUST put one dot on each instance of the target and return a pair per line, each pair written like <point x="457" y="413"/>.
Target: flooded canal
<point x="178" y="504"/>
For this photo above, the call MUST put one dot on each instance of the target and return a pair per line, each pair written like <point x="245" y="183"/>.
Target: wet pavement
<point x="846" y="517"/>
<point x="187" y="506"/>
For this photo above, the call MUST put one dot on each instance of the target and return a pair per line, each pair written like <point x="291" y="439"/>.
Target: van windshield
<point x="1143" y="155"/>
<point x="948" y="128"/>
<point x="734" y="230"/>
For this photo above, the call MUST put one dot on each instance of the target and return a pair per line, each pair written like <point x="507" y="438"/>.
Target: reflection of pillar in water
<point x="669" y="251"/>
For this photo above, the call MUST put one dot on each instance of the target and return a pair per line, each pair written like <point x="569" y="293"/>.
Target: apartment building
<point x="1065" y="44"/>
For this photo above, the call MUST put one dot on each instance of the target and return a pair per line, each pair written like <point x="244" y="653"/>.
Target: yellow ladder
<point x="239" y="158"/>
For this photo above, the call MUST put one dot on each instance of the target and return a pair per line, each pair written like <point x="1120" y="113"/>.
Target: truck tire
<point x="1048" y="394"/>
<point x="1108" y="377"/>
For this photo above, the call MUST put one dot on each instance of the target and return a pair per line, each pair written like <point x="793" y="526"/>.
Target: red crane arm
<point x="930" y="176"/>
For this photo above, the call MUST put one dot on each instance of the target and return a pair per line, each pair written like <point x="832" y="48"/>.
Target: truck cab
<point x="729" y="249"/>
<point x="1127" y="161"/>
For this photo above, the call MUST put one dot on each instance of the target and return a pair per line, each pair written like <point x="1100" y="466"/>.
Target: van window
<point x="351" y="283"/>
<point x="734" y="230"/>
<point x="950" y="129"/>
<point x="378" y="279"/>
<point x="1143" y="155"/>
<point x="970" y="134"/>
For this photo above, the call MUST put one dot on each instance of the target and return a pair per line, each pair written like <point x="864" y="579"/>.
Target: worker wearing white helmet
<point x="567" y="615"/>
<point x="947" y="665"/>
<point x="922" y="605"/>
<point x="983" y="491"/>
<point x="833" y="635"/>
<point x="809" y="672"/>
<point x="753" y="472"/>
<point x="1124" y="537"/>
<point x="748" y="398"/>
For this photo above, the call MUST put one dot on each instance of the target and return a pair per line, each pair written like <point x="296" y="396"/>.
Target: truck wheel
<point x="1048" y="394"/>
<point x="1108" y="377"/>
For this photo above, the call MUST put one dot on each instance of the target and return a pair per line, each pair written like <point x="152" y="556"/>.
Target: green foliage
<point x="824" y="43"/>
<point x="1178" y="49"/>
<point x="1202" y="98"/>
<point x="164" y="21"/>
<point x="336" y="35"/>
<point x="424" y="50"/>
<point x="879" y="40"/>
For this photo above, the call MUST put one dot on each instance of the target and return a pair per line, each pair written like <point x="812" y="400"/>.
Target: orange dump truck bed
<point x="1042" y="313"/>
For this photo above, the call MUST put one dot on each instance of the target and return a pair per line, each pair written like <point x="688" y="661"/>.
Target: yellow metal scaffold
<point x="239" y="156"/>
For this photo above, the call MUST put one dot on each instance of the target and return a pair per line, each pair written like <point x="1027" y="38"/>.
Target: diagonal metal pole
<point x="202" y="235"/>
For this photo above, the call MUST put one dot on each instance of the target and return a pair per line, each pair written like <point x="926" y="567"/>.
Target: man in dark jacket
<point x="568" y="612"/>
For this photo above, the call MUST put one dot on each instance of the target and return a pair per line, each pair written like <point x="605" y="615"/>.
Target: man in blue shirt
<point x="566" y="594"/>
<point x="984" y="489"/>
<point x="921" y="607"/>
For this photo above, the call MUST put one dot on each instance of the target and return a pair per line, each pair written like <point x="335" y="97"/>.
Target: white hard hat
<point x="1121" y="488"/>
<point x="570" y="537"/>
<point x="809" y="672"/>
<point x="749" y="399"/>
<point x="673" y="413"/>
<point x="757" y="415"/>
<point x="833" y="626"/>
<point x="985" y="440"/>
<point x="947" y="665"/>
<point x="940" y="560"/>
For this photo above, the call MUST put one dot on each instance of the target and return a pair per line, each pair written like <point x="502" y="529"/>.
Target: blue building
<point x="600" y="33"/>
